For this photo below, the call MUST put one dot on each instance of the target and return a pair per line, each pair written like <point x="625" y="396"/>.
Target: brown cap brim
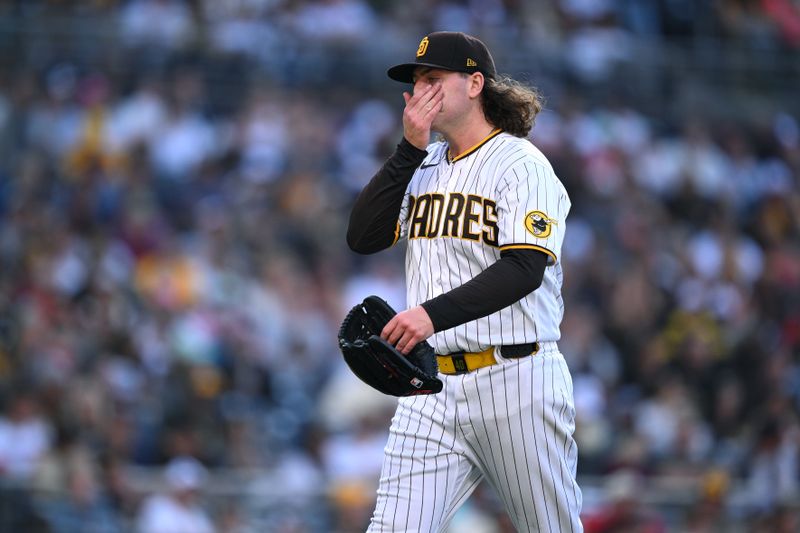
<point x="405" y="73"/>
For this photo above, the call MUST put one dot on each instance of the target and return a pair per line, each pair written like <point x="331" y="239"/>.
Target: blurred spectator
<point x="362" y="142"/>
<point x="25" y="436"/>
<point x="84" y="509"/>
<point x="185" y="138"/>
<point x="773" y="476"/>
<point x="245" y="27"/>
<point x="157" y="23"/>
<point x="177" y="510"/>
<point x="137" y="117"/>
<point x="334" y="21"/>
<point x="707" y="511"/>
<point x="625" y="509"/>
<point x="263" y="136"/>
<point x="786" y="15"/>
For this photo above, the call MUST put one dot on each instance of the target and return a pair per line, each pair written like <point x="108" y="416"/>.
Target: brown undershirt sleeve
<point x="373" y="220"/>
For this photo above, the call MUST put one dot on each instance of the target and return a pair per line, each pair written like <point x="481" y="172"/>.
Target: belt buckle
<point x="459" y="362"/>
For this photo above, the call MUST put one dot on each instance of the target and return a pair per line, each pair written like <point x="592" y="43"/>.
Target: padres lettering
<point x="470" y="217"/>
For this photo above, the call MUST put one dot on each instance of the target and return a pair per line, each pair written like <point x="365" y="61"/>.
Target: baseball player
<point x="484" y="218"/>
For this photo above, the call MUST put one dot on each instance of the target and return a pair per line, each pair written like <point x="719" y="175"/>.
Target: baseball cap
<point x="448" y="50"/>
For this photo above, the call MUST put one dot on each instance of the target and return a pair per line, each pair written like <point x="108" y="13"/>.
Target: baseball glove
<point x="379" y="364"/>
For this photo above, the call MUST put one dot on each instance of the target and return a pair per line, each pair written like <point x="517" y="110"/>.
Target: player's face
<point x="455" y="92"/>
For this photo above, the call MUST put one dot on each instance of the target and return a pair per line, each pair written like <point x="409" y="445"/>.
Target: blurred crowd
<point x="175" y="182"/>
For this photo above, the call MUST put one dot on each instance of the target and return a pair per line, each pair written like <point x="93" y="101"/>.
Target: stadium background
<point x="175" y="178"/>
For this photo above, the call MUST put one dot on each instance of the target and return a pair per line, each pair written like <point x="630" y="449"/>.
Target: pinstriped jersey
<point x="458" y="215"/>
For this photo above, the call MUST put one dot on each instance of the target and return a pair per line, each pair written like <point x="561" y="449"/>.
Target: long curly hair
<point x="510" y="105"/>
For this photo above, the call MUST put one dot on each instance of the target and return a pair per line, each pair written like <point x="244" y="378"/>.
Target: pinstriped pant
<point x="510" y="423"/>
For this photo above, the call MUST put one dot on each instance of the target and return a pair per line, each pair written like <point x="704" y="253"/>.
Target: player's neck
<point x="465" y="138"/>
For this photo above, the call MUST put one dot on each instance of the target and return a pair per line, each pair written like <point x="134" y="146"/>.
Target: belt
<point x="463" y="362"/>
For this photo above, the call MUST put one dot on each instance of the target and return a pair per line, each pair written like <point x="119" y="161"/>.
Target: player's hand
<point x="408" y="328"/>
<point x="421" y="108"/>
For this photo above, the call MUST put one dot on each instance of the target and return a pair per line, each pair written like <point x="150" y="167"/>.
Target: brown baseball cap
<point x="448" y="50"/>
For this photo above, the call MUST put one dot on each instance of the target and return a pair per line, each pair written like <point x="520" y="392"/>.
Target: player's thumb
<point x="406" y="96"/>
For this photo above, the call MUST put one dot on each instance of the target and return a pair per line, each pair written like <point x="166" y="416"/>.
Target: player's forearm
<point x="514" y="276"/>
<point x="373" y="220"/>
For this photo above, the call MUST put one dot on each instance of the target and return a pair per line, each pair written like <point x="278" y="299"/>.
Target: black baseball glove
<point x="379" y="364"/>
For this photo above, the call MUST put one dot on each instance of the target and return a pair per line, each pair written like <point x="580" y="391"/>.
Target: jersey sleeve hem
<point x="553" y="258"/>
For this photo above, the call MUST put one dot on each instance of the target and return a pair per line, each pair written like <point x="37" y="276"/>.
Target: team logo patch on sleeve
<point x="539" y="224"/>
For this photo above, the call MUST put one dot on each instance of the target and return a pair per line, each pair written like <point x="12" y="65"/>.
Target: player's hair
<point x="510" y="105"/>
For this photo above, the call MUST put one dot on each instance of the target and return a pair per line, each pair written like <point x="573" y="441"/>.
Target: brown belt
<point x="463" y="362"/>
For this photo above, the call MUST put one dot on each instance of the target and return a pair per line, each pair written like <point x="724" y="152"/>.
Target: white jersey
<point x="457" y="217"/>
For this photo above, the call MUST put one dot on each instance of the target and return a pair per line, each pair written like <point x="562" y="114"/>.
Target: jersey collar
<point x="488" y="138"/>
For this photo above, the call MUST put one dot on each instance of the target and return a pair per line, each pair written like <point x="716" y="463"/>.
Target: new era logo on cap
<point x="448" y="50"/>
